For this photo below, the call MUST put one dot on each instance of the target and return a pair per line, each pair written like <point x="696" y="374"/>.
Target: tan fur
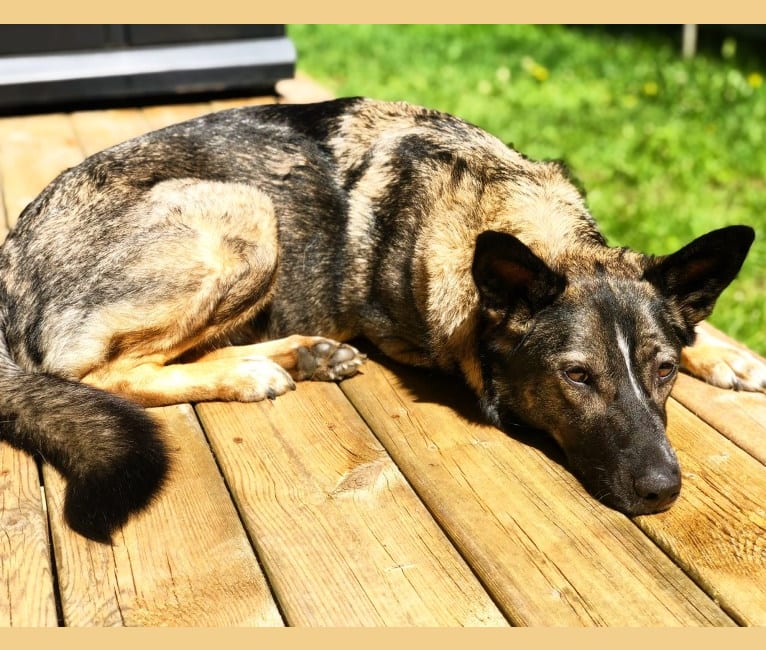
<point x="150" y="382"/>
<point x="162" y="331"/>
<point x="723" y="365"/>
<point x="244" y="373"/>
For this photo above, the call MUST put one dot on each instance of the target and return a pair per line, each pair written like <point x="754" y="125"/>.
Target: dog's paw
<point x="256" y="378"/>
<point x="327" y="360"/>
<point x="725" y="366"/>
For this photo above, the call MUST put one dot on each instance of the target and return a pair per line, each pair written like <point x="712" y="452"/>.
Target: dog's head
<point x="590" y="355"/>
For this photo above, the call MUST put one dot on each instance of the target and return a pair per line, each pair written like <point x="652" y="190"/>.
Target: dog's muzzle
<point x="657" y="489"/>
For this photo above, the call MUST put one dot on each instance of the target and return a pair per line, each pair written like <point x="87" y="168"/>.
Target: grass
<point x="666" y="148"/>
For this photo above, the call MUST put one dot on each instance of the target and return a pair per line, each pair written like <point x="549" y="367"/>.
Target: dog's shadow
<point x="436" y="387"/>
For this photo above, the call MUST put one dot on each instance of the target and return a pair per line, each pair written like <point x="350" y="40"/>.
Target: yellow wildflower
<point x="540" y="72"/>
<point x="651" y="88"/>
<point x="537" y="70"/>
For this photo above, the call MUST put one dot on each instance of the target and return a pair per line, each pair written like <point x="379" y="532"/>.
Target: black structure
<point x="60" y="64"/>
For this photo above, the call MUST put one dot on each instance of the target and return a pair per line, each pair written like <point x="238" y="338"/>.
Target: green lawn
<point x="667" y="149"/>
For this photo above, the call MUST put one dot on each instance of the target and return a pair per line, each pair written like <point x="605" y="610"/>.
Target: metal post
<point x="689" y="46"/>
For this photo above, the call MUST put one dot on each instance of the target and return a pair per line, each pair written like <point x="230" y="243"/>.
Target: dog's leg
<point x="247" y="379"/>
<point x="204" y="268"/>
<point x="304" y="357"/>
<point x="723" y="365"/>
<point x="207" y="271"/>
<point x="247" y="373"/>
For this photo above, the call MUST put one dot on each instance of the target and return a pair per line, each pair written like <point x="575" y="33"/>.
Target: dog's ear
<point x="696" y="275"/>
<point x="509" y="275"/>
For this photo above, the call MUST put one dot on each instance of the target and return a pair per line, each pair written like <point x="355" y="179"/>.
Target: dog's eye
<point x="666" y="370"/>
<point x="577" y="375"/>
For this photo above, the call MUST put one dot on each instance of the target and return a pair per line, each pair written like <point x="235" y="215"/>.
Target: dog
<point x="229" y="256"/>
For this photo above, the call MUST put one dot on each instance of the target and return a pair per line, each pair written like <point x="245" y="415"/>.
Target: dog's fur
<point x="222" y="258"/>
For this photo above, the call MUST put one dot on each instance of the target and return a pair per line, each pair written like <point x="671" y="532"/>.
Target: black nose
<point x="658" y="488"/>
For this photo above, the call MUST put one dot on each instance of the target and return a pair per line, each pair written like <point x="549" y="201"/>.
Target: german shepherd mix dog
<point x="225" y="258"/>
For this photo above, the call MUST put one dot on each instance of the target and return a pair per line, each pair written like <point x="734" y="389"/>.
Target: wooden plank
<point x="343" y="538"/>
<point x="185" y="561"/>
<point x="549" y="554"/>
<point x="740" y="416"/>
<point x="172" y="580"/>
<point x="301" y="90"/>
<point x="162" y="116"/>
<point x="717" y="529"/>
<point x="26" y="584"/>
<point x="97" y="130"/>
<point x="33" y="150"/>
<point x="27" y="163"/>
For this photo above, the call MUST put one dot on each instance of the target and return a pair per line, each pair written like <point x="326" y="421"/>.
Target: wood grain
<point x="549" y="554"/>
<point x="97" y="130"/>
<point x="343" y="538"/>
<point x="26" y="583"/>
<point x="27" y="162"/>
<point x="186" y="560"/>
<point x="739" y="416"/>
<point x="717" y="529"/>
<point x="340" y="531"/>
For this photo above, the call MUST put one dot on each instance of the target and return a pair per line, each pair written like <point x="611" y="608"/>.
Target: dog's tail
<point x="109" y="450"/>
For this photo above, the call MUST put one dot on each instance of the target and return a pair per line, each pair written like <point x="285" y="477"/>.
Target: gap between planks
<point x="34" y="150"/>
<point x="341" y="535"/>
<point x="548" y="553"/>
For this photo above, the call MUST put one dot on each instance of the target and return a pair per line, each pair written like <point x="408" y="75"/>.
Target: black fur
<point x="109" y="450"/>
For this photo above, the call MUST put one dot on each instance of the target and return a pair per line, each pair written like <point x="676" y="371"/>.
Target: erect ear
<point x="696" y="275"/>
<point x="508" y="274"/>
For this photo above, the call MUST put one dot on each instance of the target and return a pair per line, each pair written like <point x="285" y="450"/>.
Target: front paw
<point x="725" y="366"/>
<point x="257" y="378"/>
<point x="327" y="360"/>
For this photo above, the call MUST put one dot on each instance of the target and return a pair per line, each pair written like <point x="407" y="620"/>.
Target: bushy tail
<point x="109" y="450"/>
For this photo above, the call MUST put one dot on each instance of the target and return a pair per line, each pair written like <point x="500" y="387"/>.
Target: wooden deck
<point x="380" y="501"/>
